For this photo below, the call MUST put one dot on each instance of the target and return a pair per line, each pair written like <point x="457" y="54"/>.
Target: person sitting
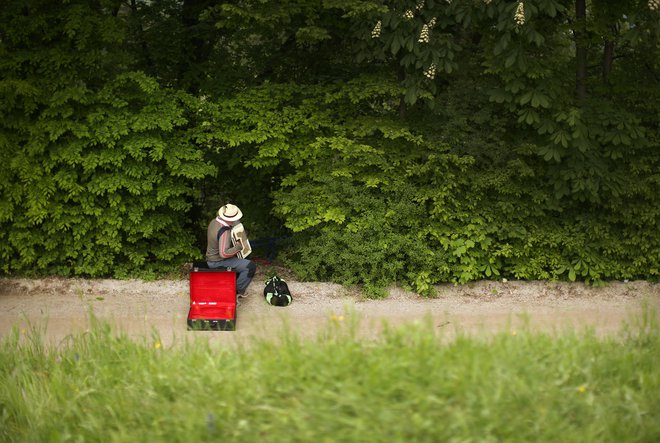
<point x="221" y="252"/>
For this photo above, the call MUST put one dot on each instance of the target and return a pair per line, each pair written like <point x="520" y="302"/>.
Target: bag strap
<point x="272" y="281"/>
<point x="222" y="231"/>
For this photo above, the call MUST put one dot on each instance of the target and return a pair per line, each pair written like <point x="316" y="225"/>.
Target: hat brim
<point x="238" y="216"/>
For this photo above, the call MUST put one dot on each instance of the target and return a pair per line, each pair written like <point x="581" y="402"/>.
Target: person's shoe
<point x="241" y="294"/>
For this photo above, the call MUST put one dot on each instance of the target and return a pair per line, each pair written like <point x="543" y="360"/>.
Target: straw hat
<point x="230" y="213"/>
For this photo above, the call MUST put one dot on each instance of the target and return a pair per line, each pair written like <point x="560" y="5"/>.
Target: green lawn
<point x="410" y="385"/>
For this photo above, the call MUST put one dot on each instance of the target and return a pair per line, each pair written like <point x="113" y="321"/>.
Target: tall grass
<point x="410" y="385"/>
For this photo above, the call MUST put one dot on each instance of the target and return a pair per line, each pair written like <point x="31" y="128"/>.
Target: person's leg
<point x="244" y="269"/>
<point x="216" y="264"/>
<point x="244" y="273"/>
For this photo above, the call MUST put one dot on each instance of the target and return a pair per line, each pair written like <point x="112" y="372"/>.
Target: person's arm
<point x="226" y="249"/>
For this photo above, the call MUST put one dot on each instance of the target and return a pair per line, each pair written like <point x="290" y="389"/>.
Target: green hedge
<point x="372" y="201"/>
<point x="393" y="161"/>
<point x="98" y="165"/>
<point x="101" y="184"/>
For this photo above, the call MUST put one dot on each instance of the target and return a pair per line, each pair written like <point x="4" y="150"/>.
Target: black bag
<point x="277" y="292"/>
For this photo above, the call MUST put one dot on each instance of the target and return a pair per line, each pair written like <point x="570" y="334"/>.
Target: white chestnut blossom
<point x="519" y="18"/>
<point x="424" y="35"/>
<point x="375" y="33"/>
<point x="430" y="72"/>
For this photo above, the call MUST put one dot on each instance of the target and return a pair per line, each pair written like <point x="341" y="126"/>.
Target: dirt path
<point x="139" y="308"/>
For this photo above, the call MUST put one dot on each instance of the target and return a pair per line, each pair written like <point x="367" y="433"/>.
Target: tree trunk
<point x="580" y="49"/>
<point x="198" y="44"/>
<point x="608" y="57"/>
<point x="608" y="54"/>
<point x="403" y="109"/>
<point x="139" y="33"/>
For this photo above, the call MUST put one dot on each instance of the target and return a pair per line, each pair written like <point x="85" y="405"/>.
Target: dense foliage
<point x="98" y="168"/>
<point x="396" y="141"/>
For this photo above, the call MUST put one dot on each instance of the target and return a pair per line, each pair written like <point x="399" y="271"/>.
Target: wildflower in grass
<point x="424" y="35"/>
<point x="375" y="33"/>
<point x="582" y="389"/>
<point x="519" y="18"/>
<point x="430" y="72"/>
<point x="514" y="333"/>
<point x="157" y="345"/>
<point x="337" y="318"/>
<point x="654" y="5"/>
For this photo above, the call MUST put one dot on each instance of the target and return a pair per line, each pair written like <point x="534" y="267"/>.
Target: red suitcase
<point x="212" y="299"/>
